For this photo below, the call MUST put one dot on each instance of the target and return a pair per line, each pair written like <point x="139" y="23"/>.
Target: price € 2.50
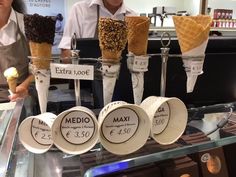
<point x="43" y="136"/>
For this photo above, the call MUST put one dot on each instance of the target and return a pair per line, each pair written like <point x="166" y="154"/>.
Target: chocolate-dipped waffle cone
<point x="40" y="31"/>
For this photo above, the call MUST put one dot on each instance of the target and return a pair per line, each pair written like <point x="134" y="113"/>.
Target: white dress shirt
<point x="8" y="33"/>
<point x="83" y="20"/>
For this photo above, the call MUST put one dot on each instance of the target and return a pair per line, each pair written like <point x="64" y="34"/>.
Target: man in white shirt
<point x="83" y="19"/>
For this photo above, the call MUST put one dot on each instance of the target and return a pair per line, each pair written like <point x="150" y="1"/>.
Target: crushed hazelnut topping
<point x="112" y="34"/>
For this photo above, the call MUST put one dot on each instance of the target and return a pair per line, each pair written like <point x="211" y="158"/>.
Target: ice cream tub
<point x="75" y="131"/>
<point x="168" y="118"/>
<point x="123" y="128"/>
<point x="35" y="132"/>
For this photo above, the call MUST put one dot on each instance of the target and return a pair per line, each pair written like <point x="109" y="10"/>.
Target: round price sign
<point x="41" y="132"/>
<point x="161" y="119"/>
<point x="120" y="125"/>
<point x="77" y="127"/>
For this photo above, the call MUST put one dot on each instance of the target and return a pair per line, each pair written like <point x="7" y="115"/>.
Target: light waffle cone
<point x="41" y="54"/>
<point x="110" y="55"/>
<point x="12" y="83"/>
<point x="138" y="28"/>
<point x="192" y="31"/>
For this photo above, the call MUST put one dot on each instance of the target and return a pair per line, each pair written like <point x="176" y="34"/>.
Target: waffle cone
<point x="138" y="28"/>
<point x="110" y="55"/>
<point x="12" y="83"/>
<point x="192" y="31"/>
<point x="41" y="54"/>
<point x="112" y="36"/>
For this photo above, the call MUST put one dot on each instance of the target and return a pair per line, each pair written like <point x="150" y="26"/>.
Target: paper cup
<point x="35" y="132"/>
<point x="75" y="131"/>
<point x="168" y="118"/>
<point x="123" y="128"/>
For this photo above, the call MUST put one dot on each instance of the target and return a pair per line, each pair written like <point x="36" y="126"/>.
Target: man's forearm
<point x="27" y="81"/>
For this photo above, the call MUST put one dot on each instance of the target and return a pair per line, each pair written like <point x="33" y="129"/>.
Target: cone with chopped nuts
<point x="40" y="31"/>
<point x="192" y="33"/>
<point x="112" y="40"/>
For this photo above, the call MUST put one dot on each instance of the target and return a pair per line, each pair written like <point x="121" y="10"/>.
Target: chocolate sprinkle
<point x="39" y="28"/>
<point x="112" y="34"/>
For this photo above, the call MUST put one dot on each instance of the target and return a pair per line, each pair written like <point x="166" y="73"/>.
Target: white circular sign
<point x="41" y="132"/>
<point x="77" y="127"/>
<point x="120" y="125"/>
<point x="161" y="119"/>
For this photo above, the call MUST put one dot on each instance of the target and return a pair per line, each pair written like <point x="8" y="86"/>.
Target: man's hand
<point x="21" y="92"/>
<point x="22" y="89"/>
<point x="65" y="55"/>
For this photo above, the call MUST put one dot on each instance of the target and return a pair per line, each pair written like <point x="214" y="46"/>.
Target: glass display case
<point x="17" y="161"/>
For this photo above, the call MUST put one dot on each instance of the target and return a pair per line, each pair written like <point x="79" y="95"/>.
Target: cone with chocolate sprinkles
<point x="192" y="33"/>
<point x="40" y="31"/>
<point x="112" y="36"/>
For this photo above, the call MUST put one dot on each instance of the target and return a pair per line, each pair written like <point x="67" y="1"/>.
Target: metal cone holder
<point x="192" y="64"/>
<point x="164" y="56"/>
<point x="75" y="60"/>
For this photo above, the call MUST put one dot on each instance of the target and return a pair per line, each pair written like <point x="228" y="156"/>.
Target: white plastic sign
<point x="196" y="67"/>
<point x="70" y="71"/>
<point x="140" y="63"/>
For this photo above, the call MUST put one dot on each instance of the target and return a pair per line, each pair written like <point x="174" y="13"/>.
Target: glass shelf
<point x="10" y="115"/>
<point x="57" y="163"/>
<point x="156" y="157"/>
<point x="5" y="116"/>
